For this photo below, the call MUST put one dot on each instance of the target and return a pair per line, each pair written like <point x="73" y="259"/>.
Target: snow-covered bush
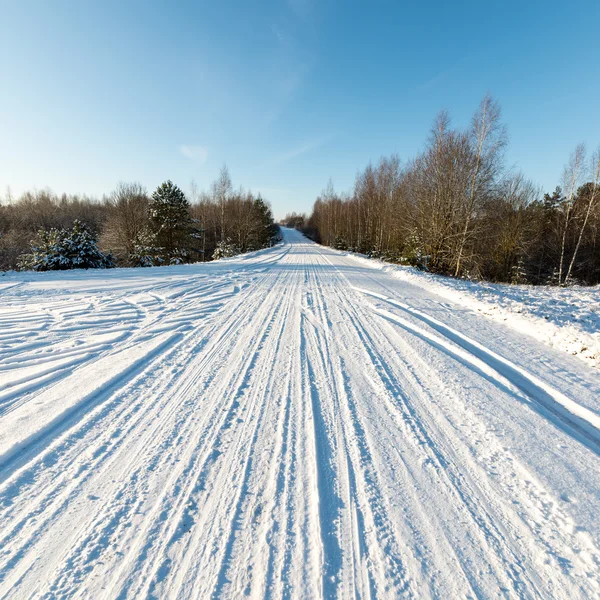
<point x="62" y="249"/>
<point x="518" y="273"/>
<point x="225" y="249"/>
<point x="339" y="243"/>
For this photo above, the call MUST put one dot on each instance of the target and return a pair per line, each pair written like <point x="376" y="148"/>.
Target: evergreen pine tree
<point x="169" y="214"/>
<point x="554" y="200"/>
<point x="145" y="251"/>
<point x="266" y="229"/>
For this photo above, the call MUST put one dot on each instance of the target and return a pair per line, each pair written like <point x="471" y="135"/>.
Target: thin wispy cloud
<point x="282" y="36"/>
<point x="302" y="8"/>
<point x="298" y="151"/>
<point x="442" y="76"/>
<point x="198" y="154"/>
<point x="287" y="86"/>
<point x="293" y="37"/>
<point x="284" y="90"/>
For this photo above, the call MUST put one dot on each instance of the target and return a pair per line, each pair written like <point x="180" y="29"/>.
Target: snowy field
<point x="295" y="423"/>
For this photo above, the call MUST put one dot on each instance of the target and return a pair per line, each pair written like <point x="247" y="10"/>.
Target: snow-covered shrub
<point x="340" y="243"/>
<point x="225" y="249"/>
<point x="179" y="257"/>
<point x="374" y="252"/>
<point x="412" y="253"/>
<point x="518" y="273"/>
<point x="62" y="249"/>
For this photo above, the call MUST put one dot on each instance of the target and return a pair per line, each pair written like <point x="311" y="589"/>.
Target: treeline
<point x="43" y="231"/>
<point x="456" y="210"/>
<point x="295" y="220"/>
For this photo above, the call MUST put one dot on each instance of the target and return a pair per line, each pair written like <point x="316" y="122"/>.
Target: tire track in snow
<point x="293" y="444"/>
<point x="430" y="443"/>
<point x="351" y="509"/>
<point x="203" y="454"/>
<point x="501" y="371"/>
<point x="228" y="326"/>
<point x="588" y="565"/>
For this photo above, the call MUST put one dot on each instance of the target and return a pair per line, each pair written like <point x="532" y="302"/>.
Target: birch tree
<point x="571" y="179"/>
<point x="222" y="191"/>
<point x="488" y="138"/>
<point x="593" y="191"/>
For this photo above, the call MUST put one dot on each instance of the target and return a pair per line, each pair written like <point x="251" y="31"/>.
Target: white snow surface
<point x="294" y="423"/>
<point x="564" y="318"/>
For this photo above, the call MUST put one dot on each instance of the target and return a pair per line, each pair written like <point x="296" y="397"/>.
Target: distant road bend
<point x="292" y="423"/>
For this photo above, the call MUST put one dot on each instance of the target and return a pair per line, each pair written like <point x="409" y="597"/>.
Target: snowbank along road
<point x="286" y="424"/>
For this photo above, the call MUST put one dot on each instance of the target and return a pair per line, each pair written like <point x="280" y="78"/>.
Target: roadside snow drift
<point x="295" y="423"/>
<point x="564" y="318"/>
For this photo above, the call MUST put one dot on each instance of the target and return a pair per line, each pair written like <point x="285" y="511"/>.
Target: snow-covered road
<point x="286" y="424"/>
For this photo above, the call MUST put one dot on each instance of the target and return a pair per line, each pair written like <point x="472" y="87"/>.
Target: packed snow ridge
<point x="294" y="423"/>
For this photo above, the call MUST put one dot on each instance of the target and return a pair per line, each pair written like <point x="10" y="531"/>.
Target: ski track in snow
<point x="286" y="424"/>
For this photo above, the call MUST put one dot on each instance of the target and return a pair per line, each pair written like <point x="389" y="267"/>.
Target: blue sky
<point x="287" y="93"/>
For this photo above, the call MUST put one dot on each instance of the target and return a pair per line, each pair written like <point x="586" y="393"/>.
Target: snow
<point x="563" y="318"/>
<point x="292" y="423"/>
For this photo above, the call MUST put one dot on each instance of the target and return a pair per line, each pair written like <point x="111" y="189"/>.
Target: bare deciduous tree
<point x="453" y="210"/>
<point x="127" y="218"/>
